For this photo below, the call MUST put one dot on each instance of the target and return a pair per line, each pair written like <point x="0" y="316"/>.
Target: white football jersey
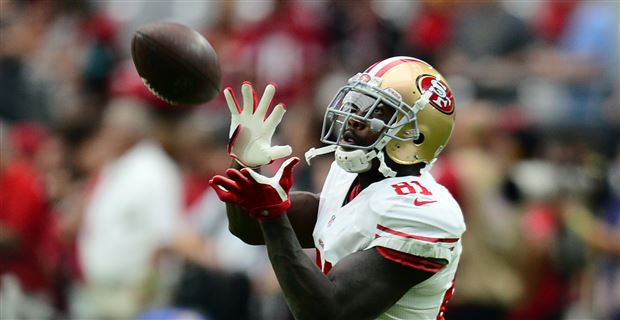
<point x="412" y="214"/>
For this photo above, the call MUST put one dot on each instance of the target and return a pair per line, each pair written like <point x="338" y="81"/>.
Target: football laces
<point x="153" y="91"/>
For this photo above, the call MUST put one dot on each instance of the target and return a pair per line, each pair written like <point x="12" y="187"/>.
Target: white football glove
<point x="249" y="138"/>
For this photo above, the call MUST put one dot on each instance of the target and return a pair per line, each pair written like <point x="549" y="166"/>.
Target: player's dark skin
<point x="362" y="285"/>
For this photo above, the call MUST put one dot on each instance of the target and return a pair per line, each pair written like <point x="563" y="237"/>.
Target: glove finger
<point x="243" y="183"/>
<point x="265" y="100"/>
<point x="231" y="101"/>
<point x="288" y="165"/>
<point x="246" y="173"/>
<point x="226" y="183"/>
<point x="249" y="97"/>
<point x="222" y="193"/>
<point x="275" y="117"/>
<point x="226" y="196"/>
<point x="285" y="173"/>
<point x="277" y="152"/>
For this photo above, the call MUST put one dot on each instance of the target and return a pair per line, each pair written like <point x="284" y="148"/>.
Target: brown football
<point x="176" y="63"/>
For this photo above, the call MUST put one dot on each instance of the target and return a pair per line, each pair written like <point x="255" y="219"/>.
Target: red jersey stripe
<point x="409" y="260"/>
<point x="412" y="236"/>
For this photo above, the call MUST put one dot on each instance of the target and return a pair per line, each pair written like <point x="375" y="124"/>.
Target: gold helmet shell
<point x="411" y="78"/>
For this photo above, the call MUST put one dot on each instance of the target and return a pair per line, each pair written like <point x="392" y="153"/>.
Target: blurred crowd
<point x="105" y="210"/>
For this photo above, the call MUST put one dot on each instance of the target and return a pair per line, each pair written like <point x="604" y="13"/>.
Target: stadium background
<point x="534" y="159"/>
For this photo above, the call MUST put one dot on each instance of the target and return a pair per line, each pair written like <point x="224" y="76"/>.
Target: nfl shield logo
<point x="331" y="220"/>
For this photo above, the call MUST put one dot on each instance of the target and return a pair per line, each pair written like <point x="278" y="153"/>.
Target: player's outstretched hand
<point x="261" y="196"/>
<point x="251" y="129"/>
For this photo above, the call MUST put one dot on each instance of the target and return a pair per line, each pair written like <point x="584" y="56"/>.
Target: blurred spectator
<point x="25" y="226"/>
<point x="431" y="31"/>
<point x="22" y="28"/>
<point x="547" y="287"/>
<point x="99" y="32"/>
<point x="58" y="50"/>
<point x="562" y="192"/>
<point x="602" y="234"/>
<point x="285" y="47"/>
<point x="132" y="213"/>
<point x="488" y="284"/>
<point x="359" y="37"/>
<point x="584" y="63"/>
<point x="607" y="292"/>
<point x="552" y="19"/>
<point x="488" y="50"/>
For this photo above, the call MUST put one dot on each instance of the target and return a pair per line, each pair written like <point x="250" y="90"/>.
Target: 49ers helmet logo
<point x="441" y="98"/>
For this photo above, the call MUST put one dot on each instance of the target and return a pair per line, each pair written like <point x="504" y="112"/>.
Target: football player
<point x="386" y="234"/>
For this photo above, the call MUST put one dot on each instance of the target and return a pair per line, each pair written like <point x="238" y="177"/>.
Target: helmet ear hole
<point x="420" y="139"/>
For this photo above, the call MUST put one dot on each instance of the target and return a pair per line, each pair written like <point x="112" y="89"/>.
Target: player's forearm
<point x="309" y="293"/>
<point x="240" y="223"/>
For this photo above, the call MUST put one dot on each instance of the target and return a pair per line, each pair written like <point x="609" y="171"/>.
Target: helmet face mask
<point x="417" y="130"/>
<point x="358" y="101"/>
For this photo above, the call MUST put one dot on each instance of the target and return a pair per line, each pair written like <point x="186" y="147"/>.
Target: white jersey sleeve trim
<point x="421" y="246"/>
<point x="414" y="247"/>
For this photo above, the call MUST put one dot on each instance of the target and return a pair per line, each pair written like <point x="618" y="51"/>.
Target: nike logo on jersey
<point x="417" y="202"/>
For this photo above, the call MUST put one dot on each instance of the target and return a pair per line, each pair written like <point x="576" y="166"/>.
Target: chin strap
<point x="314" y="152"/>
<point x="355" y="161"/>
<point x="348" y="160"/>
<point x="383" y="167"/>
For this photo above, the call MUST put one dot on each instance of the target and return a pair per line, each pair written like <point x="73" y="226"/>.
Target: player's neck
<point x="369" y="177"/>
<point x="373" y="175"/>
